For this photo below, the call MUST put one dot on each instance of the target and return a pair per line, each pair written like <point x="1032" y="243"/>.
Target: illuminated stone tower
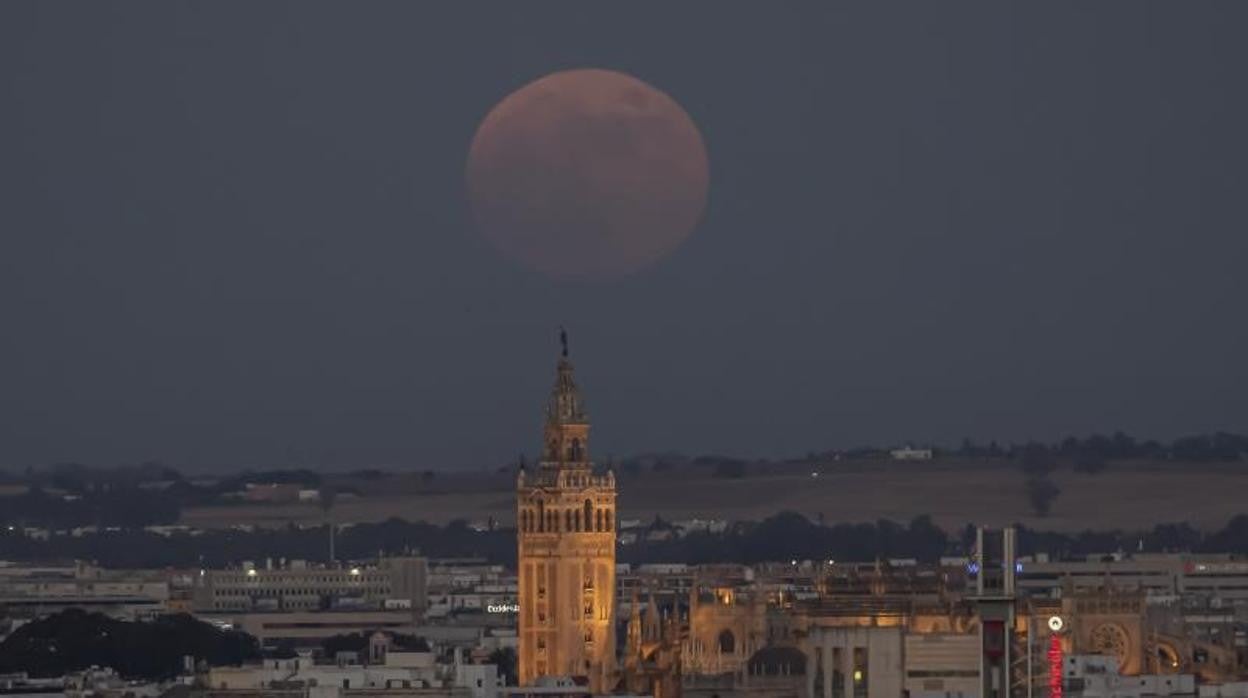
<point x="565" y="522"/>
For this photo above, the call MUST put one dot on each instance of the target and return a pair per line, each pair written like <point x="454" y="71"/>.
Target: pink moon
<point x="587" y="174"/>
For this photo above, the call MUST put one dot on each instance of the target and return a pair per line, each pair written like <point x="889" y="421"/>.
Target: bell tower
<point x="565" y="524"/>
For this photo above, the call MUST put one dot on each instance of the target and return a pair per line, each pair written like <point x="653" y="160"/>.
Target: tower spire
<point x="566" y="433"/>
<point x="564" y="406"/>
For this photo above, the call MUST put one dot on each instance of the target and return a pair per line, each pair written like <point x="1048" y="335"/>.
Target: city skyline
<point x="707" y="349"/>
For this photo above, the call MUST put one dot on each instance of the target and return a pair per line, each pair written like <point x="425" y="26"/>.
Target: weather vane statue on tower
<point x="563" y="340"/>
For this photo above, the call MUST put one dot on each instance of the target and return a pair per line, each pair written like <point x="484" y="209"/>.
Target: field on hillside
<point x="1125" y="496"/>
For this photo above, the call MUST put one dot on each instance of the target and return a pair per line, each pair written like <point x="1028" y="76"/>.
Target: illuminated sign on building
<point x="503" y="608"/>
<point x="1055" y="666"/>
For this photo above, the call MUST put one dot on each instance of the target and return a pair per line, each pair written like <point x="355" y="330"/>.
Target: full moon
<point x="587" y="174"/>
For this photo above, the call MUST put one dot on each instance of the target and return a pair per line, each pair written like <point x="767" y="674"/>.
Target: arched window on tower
<point x="576" y="520"/>
<point x="575" y="451"/>
<point x="598" y="520"/>
<point x="609" y="519"/>
<point x="541" y="516"/>
<point x="589" y="515"/>
<point x="727" y="643"/>
<point x="567" y="520"/>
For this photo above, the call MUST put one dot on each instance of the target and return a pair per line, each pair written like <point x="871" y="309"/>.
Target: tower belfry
<point x="565" y="522"/>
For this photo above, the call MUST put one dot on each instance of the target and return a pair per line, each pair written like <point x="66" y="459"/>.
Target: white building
<point x="908" y="453"/>
<point x="942" y="665"/>
<point x="868" y="660"/>
<point x="1096" y="676"/>
<point x="1236" y="689"/>
<point x="298" y="586"/>
<point x="1218" y="578"/>
<point x="419" y="675"/>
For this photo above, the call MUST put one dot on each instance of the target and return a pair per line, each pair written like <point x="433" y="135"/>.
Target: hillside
<point x="1123" y="496"/>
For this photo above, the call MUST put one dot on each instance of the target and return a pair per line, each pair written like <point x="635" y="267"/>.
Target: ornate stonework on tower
<point x="565" y="522"/>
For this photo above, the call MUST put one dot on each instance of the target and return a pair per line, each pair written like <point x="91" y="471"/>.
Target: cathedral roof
<point x="773" y="660"/>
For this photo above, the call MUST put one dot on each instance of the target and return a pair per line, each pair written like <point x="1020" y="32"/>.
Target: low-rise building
<point x="33" y="591"/>
<point x="1097" y="676"/>
<point x="307" y="628"/>
<point x="396" y="583"/>
<point x="908" y="453"/>
<point x="390" y="672"/>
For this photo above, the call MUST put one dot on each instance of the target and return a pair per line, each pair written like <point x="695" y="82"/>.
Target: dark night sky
<point x="235" y="233"/>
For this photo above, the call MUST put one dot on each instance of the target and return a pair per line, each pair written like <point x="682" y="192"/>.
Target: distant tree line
<point x="125" y="507"/>
<point x="78" y="478"/>
<point x="73" y="640"/>
<point x="72" y="495"/>
<point x="69" y="495"/>
<point x="779" y="538"/>
<point x="791" y="536"/>
<point x="1089" y="454"/>
<point x="137" y="548"/>
<point x="1095" y="451"/>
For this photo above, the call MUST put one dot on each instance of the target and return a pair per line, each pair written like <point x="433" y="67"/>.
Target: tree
<point x="1123" y="446"/>
<point x="327" y="496"/>
<point x="350" y="642"/>
<point x="968" y="449"/>
<point x="73" y="640"/>
<point x="1041" y="493"/>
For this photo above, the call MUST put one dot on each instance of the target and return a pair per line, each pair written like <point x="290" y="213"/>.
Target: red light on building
<point x="1055" y="666"/>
